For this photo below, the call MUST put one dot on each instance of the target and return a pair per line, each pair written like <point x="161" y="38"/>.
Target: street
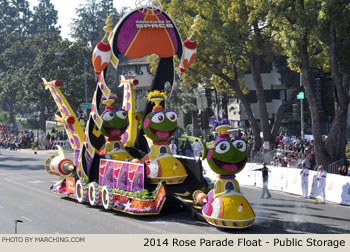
<point x="25" y="195"/>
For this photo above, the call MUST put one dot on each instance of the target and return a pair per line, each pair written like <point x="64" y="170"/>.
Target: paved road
<point x="25" y="195"/>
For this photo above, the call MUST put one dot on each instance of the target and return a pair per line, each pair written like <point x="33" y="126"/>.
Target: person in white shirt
<point x="173" y="147"/>
<point x="321" y="177"/>
<point x="304" y="180"/>
<point x="306" y="161"/>
<point x="197" y="147"/>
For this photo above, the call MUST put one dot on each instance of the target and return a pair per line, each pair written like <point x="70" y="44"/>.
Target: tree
<point x="182" y="99"/>
<point x="14" y="23"/>
<point x="44" y="18"/>
<point x="67" y="67"/>
<point x="91" y="18"/>
<point x="309" y="31"/>
<point x="15" y="62"/>
<point x="235" y="36"/>
<point x="334" y="27"/>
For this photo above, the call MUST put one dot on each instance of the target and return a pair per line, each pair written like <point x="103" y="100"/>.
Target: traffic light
<point x="208" y="95"/>
<point x="205" y="119"/>
<point x="199" y="120"/>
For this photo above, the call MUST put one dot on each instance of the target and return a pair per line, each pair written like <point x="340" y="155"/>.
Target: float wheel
<point x="94" y="194"/>
<point x="81" y="191"/>
<point x="107" y="197"/>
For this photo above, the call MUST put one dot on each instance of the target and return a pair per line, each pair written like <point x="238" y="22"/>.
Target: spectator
<point x="197" y="148"/>
<point x="182" y="149"/>
<point x="306" y="161"/>
<point x="48" y="138"/>
<point x="304" y="173"/>
<point x="348" y="174"/>
<point x="188" y="148"/>
<point x="321" y="177"/>
<point x="173" y="147"/>
<point x="342" y="171"/>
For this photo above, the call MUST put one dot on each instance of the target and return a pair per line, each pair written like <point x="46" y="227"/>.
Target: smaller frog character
<point x="225" y="206"/>
<point x="115" y="123"/>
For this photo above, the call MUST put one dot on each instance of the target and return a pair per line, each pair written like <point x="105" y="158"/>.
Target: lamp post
<point x="86" y="89"/>
<point x="301" y="110"/>
<point x="17" y="221"/>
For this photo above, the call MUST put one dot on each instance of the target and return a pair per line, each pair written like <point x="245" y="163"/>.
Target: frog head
<point x="115" y="121"/>
<point x="226" y="156"/>
<point x="159" y="125"/>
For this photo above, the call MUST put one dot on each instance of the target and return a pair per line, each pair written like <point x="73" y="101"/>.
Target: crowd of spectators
<point x="15" y="139"/>
<point x="54" y="138"/>
<point x="344" y="171"/>
<point x="292" y="151"/>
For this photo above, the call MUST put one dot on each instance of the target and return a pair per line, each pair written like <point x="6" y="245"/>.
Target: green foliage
<point x="44" y="18"/>
<point x="295" y="23"/>
<point x="91" y="18"/>
<point x="19" y="26"/>
<point x="336" y="13"/>
<point x="4" y="117"/>
<point x="143" y="194"/>
<point x="182" y="97"/>
<point x="190" y="138"/>
<point x="15" y="17"/>
<point x="226" y="38"/>
<point x="29" y="123"/>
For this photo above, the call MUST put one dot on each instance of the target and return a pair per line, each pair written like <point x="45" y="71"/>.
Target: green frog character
<point x="225" y="206"/>
<point x="115" y="123"/>
<point x="159" y="126"/>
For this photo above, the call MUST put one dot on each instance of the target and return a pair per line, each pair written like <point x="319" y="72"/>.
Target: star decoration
<point x="147" y="209"/>
<point x="127" y="205"/>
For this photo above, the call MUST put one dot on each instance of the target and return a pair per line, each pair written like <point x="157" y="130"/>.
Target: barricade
<point x="288" y="180"/>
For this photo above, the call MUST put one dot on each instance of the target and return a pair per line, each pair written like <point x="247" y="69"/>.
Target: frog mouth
<point x="230" y="166"/>
<point x="114" y="132"/>
<point x="162" y="134"/>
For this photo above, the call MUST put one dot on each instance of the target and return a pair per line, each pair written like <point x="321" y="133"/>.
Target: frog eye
<point x="108" y="115"/>
<point x="121" y="114"/>
<point x="172" y="116"/>
<point x="158" y="117"/>
<point x="222" y="147"/>
<point x="240" y="145"/>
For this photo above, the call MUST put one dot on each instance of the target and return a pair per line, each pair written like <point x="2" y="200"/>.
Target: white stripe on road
<point x="27" y="219"/>
<point x="28" y="187"/>
<point x="35" y="182"/>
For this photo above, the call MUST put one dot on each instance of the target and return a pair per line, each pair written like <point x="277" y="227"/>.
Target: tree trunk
<point x="336" y="142"/>
<point x="281" y="110"/>
<point x="255" y="127"/>
<point x="224" y="103"/>
<point x="12" y="110"/>
<point x="322" y="157"/>
<point x="255" y="66"/>
<point x="42" y="118"/>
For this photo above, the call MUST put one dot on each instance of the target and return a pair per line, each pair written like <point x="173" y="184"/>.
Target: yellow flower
<point x="156" y="94"/>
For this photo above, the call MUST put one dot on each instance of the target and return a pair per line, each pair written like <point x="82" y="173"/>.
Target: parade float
<point x="122" y="160"/>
